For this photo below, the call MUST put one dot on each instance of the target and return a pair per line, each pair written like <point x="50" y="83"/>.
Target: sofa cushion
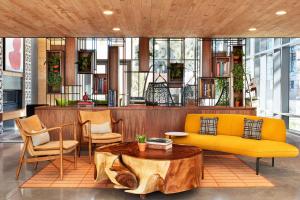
<point x="208" y="126"/>
<point x="255" y="148"/>
<point x="252" y="128"/>
<point x="106" y="136"/>
<point x="238" y="145"/>
<point x="208" y="142"/>
<point x="54" y="145"/>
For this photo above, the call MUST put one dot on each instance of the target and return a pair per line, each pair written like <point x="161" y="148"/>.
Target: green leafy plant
<point x="84" y="61"/>
<point x="54" y="60"/>
<point x="54" y="79"/>
<point x="220" y="84"/>
<point x="238" y="77"/>
<point x="141" y="138"/>
<point x="238" y="52"/>
<point x="176" y="71"/>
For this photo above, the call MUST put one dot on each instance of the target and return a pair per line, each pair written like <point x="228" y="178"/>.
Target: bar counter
<point x="152" y="121"/>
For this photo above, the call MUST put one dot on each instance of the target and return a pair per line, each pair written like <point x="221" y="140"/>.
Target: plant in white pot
<point x="141" y="139"/>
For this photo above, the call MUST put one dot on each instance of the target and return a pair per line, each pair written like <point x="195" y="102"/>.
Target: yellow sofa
<point x="229" y="137"/>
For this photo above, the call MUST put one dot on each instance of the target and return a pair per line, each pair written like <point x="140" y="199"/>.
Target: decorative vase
<point x="237" y="104"/>
<point x="85" y="97"/>
<point x="142" y="146"/>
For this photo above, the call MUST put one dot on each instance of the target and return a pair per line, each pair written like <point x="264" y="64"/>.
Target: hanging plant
<point x="54" y="77"/>
<point x="54" y="62"/>
<point x="85" y="61"/>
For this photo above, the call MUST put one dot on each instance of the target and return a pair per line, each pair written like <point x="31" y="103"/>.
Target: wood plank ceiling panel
<point x="146" y="18"/>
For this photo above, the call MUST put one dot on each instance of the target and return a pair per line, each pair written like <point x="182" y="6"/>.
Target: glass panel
<point x="277" y="42"/>
<point x="269" y="86"/>
<point x="102" y="48"/>
<point x="100" y="69"/>
<point x="257" y="45"/>
<point x="294" y="94"/>
<point x="135" y="48"/>
<point x="161" y="50"/>
<point x="176" y="49"/>
<point x="135" y="65"/>
<point x="190" y="48"/>
<point x="160" y="66"/>
<point x="89" y="43"/>
<point x="128" y="47"/>
<point x="189" y="73"/>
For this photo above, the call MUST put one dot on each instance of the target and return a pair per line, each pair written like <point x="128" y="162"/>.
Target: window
<point x="294" y="93"/>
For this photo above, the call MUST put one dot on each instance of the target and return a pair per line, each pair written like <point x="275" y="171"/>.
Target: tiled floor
<point x="285" y="176"/>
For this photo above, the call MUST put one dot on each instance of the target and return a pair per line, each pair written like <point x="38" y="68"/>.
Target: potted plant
<point x="237" y="53"/>
<point x="141" y="139"/>
<point x="237" y="101"/>
<point x="238" y="82"/>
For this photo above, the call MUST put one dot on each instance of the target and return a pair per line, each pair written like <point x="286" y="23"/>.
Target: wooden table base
<point x="177" y="170"/>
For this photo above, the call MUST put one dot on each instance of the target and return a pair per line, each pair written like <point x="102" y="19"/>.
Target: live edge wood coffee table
<point x="169" y="171"/>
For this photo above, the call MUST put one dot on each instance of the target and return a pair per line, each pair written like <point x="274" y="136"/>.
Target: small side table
<point x="177" y="134"/>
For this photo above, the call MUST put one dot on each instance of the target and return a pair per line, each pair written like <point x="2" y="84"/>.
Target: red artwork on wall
<point x="14" y="57"/>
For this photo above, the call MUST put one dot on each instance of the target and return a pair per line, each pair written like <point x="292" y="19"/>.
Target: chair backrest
<point x="233" y="124"/>
<point x="96" y="117"/>
<point x="27" y="125"/>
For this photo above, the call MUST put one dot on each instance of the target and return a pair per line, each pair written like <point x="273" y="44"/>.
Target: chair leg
<point x="75" y="158"/>
<point x="273" y="161"/>
<point x="21" y="159"/>
<point x="36" y="165"/>
<point x="79" y="145"/>
<point x="90" y="151"/>
<point x="257" y="166"/>
<point x="61" y="167"/>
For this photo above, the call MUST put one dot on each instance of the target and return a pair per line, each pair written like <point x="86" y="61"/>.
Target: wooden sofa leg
<point x="257" y="166"/>
<point x="273" y="161"/>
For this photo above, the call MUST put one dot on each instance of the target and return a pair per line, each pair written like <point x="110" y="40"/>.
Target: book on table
<point x="159" y="143"/>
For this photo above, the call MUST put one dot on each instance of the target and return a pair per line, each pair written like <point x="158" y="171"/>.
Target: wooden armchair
<point x="96" y="127"/>
<point x="47" y="151"/>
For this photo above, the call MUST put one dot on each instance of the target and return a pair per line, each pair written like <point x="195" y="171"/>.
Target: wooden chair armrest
<point x="83" y="123"/>
<point x="116" y="121"/>
<point x="121" y="121"/>
<point x="41" y="131"/>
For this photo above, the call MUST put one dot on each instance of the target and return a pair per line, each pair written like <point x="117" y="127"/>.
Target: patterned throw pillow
<point x="252" y="129"/>
<point x="208" y="126"/>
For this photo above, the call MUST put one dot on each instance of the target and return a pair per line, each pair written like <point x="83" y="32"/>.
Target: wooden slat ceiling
<point x="165" y="18"/>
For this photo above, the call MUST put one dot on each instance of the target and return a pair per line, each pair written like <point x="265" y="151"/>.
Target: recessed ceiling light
<point x="252" y="29"/>
<point x="116" y="29"/>
<point x="108" y="12"/>
<point x="280" y="12"/>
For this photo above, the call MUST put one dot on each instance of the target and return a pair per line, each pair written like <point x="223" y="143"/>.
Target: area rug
<point x="219" y="171"/>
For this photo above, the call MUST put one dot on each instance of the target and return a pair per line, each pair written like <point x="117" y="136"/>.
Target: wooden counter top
<point x="152" y="121"/>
